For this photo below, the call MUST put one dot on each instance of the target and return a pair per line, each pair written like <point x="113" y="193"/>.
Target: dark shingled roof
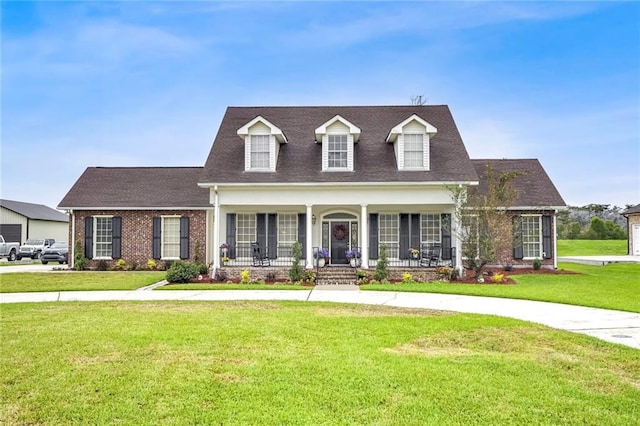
<point x="299" y="160"/>
<point x="534" y="186"/>
<point x="137" y="187"/>
<point x="34" y="211"/>
<point x="632" y="210"/>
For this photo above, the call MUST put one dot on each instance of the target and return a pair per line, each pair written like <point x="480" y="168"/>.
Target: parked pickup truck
<point x="8" y="250"/>
<point x="33" y="247"/>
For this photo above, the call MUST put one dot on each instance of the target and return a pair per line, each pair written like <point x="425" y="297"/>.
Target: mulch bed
<point x="488" y="273"/>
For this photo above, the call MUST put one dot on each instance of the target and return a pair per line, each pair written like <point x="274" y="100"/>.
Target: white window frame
<point x="389" y="233"/>
<point x="287" y="233"/>
<point x="109" y="236"/>
<point x="429" y="222"/>
<point x="245" y="222"/>
<point x="406" y="136"/>
<point x="341" y="139"/>
<point x="168" y="237"/>
<point x="260" y="141"/>
<point x="529" y="236"/>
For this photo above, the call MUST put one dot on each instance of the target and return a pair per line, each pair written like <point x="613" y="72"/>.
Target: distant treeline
<point x="593" y="222"/>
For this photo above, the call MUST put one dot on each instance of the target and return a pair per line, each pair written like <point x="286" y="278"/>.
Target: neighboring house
<point x="327" y="177"/>
<point x="20" y="221"/>
<point x="633" y="227"/>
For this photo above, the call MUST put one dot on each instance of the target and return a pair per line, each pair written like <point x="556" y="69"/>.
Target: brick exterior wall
<point x="137" y="233"/>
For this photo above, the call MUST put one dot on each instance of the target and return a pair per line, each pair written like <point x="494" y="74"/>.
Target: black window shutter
<point x="272" y="235"/>
<point x="302" y="233"/>
<point x="261" y="231"/>
<point x="547" y="247"/>
<point x="157" y="232"/>
<point x="88" y="237"/>
<point x="518" y="253"/>
<point x="231" y="234"/>
<point x="184" y="237"/>
<point x="373" y="236"/>
<point x="116" y="237"/>
<point x="404" y="236"/>
<point x="414" y="231"/>
<point x="445" y="231"/>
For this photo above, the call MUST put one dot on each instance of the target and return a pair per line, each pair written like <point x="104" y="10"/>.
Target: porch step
<point x="336" y="276"/>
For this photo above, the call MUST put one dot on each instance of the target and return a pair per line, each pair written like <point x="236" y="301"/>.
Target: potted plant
<point x="321" y="256"/>
<point x="353" y="255"/>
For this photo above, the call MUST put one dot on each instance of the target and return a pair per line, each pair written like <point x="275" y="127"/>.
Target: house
<point x="339" y="178"/>
<point x="20" y="221"/>
<point x="633" y="229"/>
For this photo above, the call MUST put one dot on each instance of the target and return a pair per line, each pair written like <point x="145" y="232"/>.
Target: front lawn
<point x="613" y="286"/>
<point x="67" y="281"/>
<point x="303" y="363"/>
<point x="592" y="247"/>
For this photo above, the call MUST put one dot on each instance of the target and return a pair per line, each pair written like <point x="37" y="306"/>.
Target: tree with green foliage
<point x="382" y="271"/>
<point x="79" y="261"/>
<point x="296" y="272"/>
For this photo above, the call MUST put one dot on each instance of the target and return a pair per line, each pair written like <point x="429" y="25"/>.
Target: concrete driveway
<point x="29" y="267"/>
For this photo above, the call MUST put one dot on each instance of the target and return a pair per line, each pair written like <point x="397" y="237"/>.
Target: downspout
<point x="72" y="242"/>
<point x="555" y="240"/>
<point x="216" y="230"/>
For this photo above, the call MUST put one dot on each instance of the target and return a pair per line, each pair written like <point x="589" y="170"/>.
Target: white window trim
<point x="397" y="241"/>
<point x="95" y="236"/>
<point x="276" y="137"/>
<point x="396" y="134"/>
<point x="353" y="135"/>
<point x="425" y="144"/>
<point x="325" y="153"/>
<point x="540" y="248"/>
<point x="162" y="256"/>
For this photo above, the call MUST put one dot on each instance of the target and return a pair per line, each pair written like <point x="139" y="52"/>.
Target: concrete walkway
<point x="600" y="260"/>
<point x="611" y="326"/>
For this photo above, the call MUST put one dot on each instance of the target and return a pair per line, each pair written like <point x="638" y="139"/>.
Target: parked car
<point x="58" y="252"/>
<point x="8" y="250"/>
<point x="33" y="247"/>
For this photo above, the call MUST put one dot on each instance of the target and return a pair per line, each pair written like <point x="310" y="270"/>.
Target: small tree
<point x="382" y="272"/>
<point x="296" y="272"/>
<point x="486" y="231"/>
<point x="79" y="261"/>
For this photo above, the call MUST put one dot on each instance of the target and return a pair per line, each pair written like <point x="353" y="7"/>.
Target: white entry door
<point x="636" y="240"/>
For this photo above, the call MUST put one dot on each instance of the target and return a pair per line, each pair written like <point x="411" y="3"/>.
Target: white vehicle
<point x="34" y="247"/>
<point x="8" y="250"/>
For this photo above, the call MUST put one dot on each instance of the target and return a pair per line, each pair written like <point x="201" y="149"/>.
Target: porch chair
<point x="430" y="255"/>
<point x="259" y="259"/>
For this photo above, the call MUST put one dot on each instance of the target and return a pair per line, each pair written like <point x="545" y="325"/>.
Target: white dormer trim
<point x="274" y="130"/>
<point x="410" y="129"/>
<point x="261" y="127"/>
<point x="353" y="129"/>
<point x="334" y="130"/>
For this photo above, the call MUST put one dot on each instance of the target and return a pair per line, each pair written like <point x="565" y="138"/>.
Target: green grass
<point x="614" y="286"/>
<point x="592" y="247"/>
<point x="67" y="281"/>
<point x="302" y="363"/>
<point x="216" y="286"/>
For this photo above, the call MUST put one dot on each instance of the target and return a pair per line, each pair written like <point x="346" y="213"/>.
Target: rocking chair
<point x="259" y="259"/>
<point x="430" y="256"/>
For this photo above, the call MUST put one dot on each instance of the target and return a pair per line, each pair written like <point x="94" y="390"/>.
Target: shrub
<point x="101" y="265"/>
<point x="407" y="277"/>
<point x="381" y="267"/>
<point x="181" y="272"/>
<point x="296" y="272"/>
<point x="310" y="276"/>
<point x="245" y="276"/>
<point x="203" y="268"/>
<point x="537" y="263"/>
<point x="497" y="278"/>
<point x="120" y="264"/>
<point x="271" y="276"/>
<point x="133" y="266"/>
<point x="151" y="264"/>
<point x="221" y="276"/>
<point x="363" y="276"/>
<point x="79" y="261"/>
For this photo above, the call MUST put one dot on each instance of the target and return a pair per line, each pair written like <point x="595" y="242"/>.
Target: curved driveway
<point x="611" y="326"/>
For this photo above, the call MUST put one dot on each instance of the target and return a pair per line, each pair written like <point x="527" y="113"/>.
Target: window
<point x="245" y="233"/>
<point x="103" y="237"/>
<point x="388" y="229"/>
<point x="287" y="233"/>
<point x="170" y="237"/>
<point x="430" y="228"/>
<point x="260" y="151"/>
<point x="413" y="150"/>
<point x="531" y="236"/>
<point x="337" y="151"/>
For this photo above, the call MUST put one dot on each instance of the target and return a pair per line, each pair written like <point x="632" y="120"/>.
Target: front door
<point x="339" y="242"/>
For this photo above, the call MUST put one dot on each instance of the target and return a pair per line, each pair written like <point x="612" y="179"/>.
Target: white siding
<point x="49" y="229"/>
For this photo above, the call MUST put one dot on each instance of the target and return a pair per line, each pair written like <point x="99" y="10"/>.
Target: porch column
<point x="216" y="230"/>
<point x="309" y="248"/>
<point x="364" y="236"/>
<point x="456" y="232"/>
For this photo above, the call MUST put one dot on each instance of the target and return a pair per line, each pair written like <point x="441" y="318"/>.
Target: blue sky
<point x="146" y="83"/>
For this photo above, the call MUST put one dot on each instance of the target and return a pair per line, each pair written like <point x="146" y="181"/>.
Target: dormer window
<point x="337" y="137"/>
<point x="262" y="142"/>
<point x="411" y="143"/>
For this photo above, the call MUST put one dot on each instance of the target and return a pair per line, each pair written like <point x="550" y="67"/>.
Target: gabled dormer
<point x="262" y="142"/>
<point x="337" y="137"/>
<point x="411" y="143"/>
